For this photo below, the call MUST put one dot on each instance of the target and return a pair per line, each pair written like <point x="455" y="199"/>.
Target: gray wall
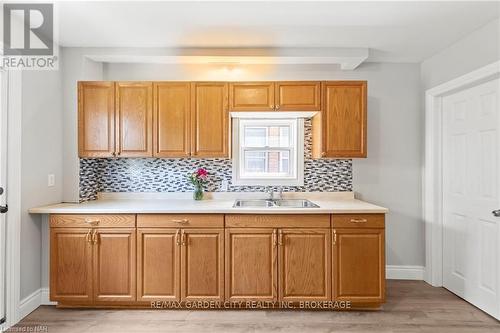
<point x="391" y="174"/>
<point x="41" y="152"/>
<point x="478" y="49"/>
<point x="74" y="67"/>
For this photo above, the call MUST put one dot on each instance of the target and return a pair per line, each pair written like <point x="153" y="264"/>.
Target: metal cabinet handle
<point x="113" y="154"/>
<point x="280" y="237"/>
<point x="334" y="237"/>
<point x="95" y="237"/>
<point x="183" y="221"/>
<point x="88" y="237"/>
<point x="496" y="213"/>
<point x="277" y="107"/>
<point x="183" y="238"/>
<point x="275" y="238"/>
<point x="272" y="107"/>
<point x="92" y="221"/>
<point x="177" y="240"/>
<point x="323" y="154"/>
<point x="359" y="220"/>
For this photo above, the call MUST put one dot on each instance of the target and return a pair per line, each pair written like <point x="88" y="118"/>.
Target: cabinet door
<point x="344" y="119"/>
<point x="134" y="107"/>
<point x="158" y="264"/>
<point x="359" y="265"/>
<point x="304" y="264"/>
<point x="202" y="264"/>
<point x="251" y="264"/>
<point x="70" y="265"/>
<point x="171" y="119"/>
<point x="96" y="119"/>
<point x="251" y="96"/>
<point x="209" y="120"/>
<point x="114" y="265"/>
<point x="298" y="96"/>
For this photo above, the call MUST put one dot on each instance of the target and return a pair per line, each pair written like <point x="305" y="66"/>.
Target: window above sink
<point x="268" y="151"/>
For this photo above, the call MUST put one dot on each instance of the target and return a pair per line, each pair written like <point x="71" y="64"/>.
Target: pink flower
<point x="202" y="173"/>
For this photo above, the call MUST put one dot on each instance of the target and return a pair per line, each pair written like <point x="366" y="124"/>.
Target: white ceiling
<point x="394" y="31"/>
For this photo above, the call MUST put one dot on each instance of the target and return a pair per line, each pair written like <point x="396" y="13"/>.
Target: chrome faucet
<point x="269" y="190"/>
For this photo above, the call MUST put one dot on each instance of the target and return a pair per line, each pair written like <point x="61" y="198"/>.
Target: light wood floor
<point x="412" y="306"/>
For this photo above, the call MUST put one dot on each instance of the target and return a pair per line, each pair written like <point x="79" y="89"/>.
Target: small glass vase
<point x="198" y="193"/>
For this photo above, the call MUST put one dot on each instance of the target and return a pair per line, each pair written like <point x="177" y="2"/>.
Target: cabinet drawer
<point x="278" y="221"/>
<point x="358" y="221"/>
<point x="180" y="220"/>
<point x="92" y="220"/>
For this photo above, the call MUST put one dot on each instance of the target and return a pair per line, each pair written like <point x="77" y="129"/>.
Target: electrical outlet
<point x="225" y="185"/>
<point x="51" y="180"/>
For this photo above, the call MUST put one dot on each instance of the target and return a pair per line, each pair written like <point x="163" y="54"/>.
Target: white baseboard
<point x="30" y="303"/>
<point x="403" y="272"/>
<point x="33" y="301"/>
<point x="46" y="297"/>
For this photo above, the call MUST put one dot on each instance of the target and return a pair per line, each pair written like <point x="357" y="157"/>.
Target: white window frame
<point x="296" y="157"/>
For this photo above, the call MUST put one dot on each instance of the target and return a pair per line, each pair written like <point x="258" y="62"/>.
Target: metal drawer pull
<point x="183" y="221"/>
<point x="359" y="220"/>
<point x="92" y="221"/>
<point x="275" y="238"/>
<point x="280" y="238"/>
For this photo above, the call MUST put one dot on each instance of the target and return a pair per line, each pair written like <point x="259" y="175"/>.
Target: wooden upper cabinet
<point x="96" y="119"/>
<point x="251" y="264"/>
<point x="304" y="264"/>
<point x="114" y="265"/>
<point x="171" y="119"/>
<point x="344" y="119"/>
<point x="158" y="264"/>
<point x="71" y="265"/>
<point x="298" y="96"/>
<point x="209" y="119"/>
<point x="202" y="264"/>
<point x="251" y="96"/>
<point x="134" y="121"/>
<point x="359" y="265"/>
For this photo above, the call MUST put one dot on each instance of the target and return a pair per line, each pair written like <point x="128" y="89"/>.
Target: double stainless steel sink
<point x="274" y="203"/>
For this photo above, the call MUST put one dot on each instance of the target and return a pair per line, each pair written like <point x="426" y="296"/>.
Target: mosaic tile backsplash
<point x="170" y="175"/>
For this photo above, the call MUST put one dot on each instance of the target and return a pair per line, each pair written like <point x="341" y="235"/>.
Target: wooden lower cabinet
<point x="251" y="264"/>
<point x="114" y="265"/>
<point x="304" y="264"/>
<point x="158" y="264"/>
<point x="71" y="265"/>
<point x="359" y="265"/>
<point x="202" y="264"/>
<point x="201" y="260"/>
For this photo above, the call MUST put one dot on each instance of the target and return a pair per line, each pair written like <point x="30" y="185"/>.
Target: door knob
<point x="496" y="213"/>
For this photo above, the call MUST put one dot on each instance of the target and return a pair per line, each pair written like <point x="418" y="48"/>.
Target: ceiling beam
<point x="346" y="58"/>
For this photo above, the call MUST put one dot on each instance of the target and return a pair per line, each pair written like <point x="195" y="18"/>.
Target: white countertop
<point x="215" y="203"/>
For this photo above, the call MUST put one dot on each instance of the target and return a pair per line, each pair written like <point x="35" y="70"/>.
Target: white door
<point x="471" y="187"/>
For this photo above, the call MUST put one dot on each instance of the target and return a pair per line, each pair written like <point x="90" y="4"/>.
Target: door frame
<point x="432" y="178"/>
